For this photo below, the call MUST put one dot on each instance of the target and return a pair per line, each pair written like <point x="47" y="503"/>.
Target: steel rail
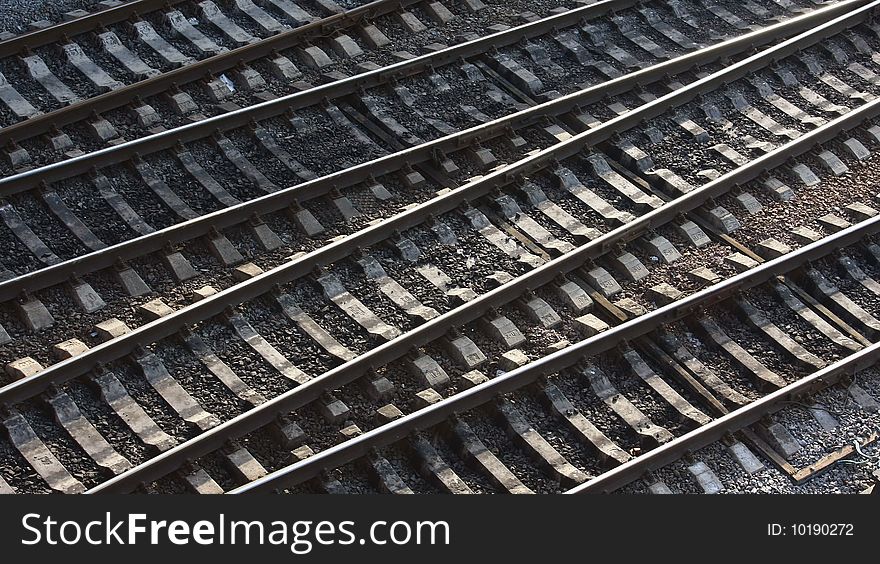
<point x="729" y="423"/>
<point x="95" y="20"/>
<point x="208" y="66"/>
<point x="392" y="350"/>
<point x="240" y="213"/>
<point x="306" y="264"/>
<point x="204" y="128"/>
<point x="434" y="414"/>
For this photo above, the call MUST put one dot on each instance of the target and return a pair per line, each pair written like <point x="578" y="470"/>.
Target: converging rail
<point x="308" y="190"/>
<point x="534" y="279"/>
<point x="546" y="259"/>
<point x="556" y="362"/>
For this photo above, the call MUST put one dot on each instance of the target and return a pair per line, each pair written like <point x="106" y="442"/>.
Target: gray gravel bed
<point x="406" y="385"/>
<point x="209" y="272"/>
<point x="214" y="396"/>
<point x="177" y="294"/>
<point x="108" y="424"/>
<point x="83" y="199"/>
<point x="405" y="468"/>
<point x="682" y="154"/>
<point x="777" y="218"/>
<point x="372" y="208"/>
<point x="640" y="394"/>
<point x="492" y="348"/>
<point x="353" y="476"/>
<point x="56" y="60"/>
<point x="815" y="441"/>
<point x="471" y="260"/>
<point x="538" y="337"/>
<point x="855" y="423"/>
<point x="869" y="380"/>
<point x="578" y="391"/>
<point x="194" y="377"/>
<point x="404" y="274"/>
<point x="464" y="22"/>
<point x="675" y="274"/>
<point x="477" y="482"/>
<point x="549" y="294"/>
<point x="756" y="345"/>
<point x="738" y="10"/>
<point x="535" y="137"/>
<point x="170" y="484"/>
<point x="363" y="409"/>
<point x="191" y="11"/>
<point x="363" y="199"/>
<point x="68" y="453"/>
<point x="16" y="470"/>
<point x="568" y="75"/>
<point x="143" y="393"/>
<point x="442" y="105"/>
<point x="128" y="184"/>
<point x="859" y="294"/>
<point x="47" y="226"/>
<point x="792" y="324"/>
<point x="454" y="29"/>
<point x="222" y="170"/>
<point x="219" y="469"/>
<point x="489" y="429"/>
<point x="863" y="258"/>
<point x="157" y="20"/>
<point x="439" y="352"/>
<point x="671" y="378"/>
<point x="14" y="255"/>
<point x="697" y="153"/>
<point x="354" y="280"/>
<point x="806" y="78"/>
<point x="254" y="152"/>
<point x="754" y="98"/>
<point x="180" y="182"/>
<point x="563" y="198"/>
<point x="292" y="238"/>
<point x="282" y="333"/>
<point x="18" y="13"/>
<point x="243" y="361"/>
<point x="637" y="21"/>
<point x="558" y="435"/>
<point x="716" y="359"/>
<point x="242" y="238"/>
<point x="679" y="480"/>
<point x="263" y="445"/>
<point x="325" y="147"/>
<point x="71" y="322"/>
<point x="39" y="97"/>
<point x="321" y="434"/>
<point x="309" y="295"/>
<point x="335" y="225"/>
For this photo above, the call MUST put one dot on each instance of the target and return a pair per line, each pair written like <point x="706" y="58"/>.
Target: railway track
<point x="603" y="374"/>
<point x="836" y="416"/>
<point x="336" y="49"/>
<point x="353" y="313"/>
<point x="69" y="280"/>
<point x="74" y="236"/>
<point x="155" y="62"/>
